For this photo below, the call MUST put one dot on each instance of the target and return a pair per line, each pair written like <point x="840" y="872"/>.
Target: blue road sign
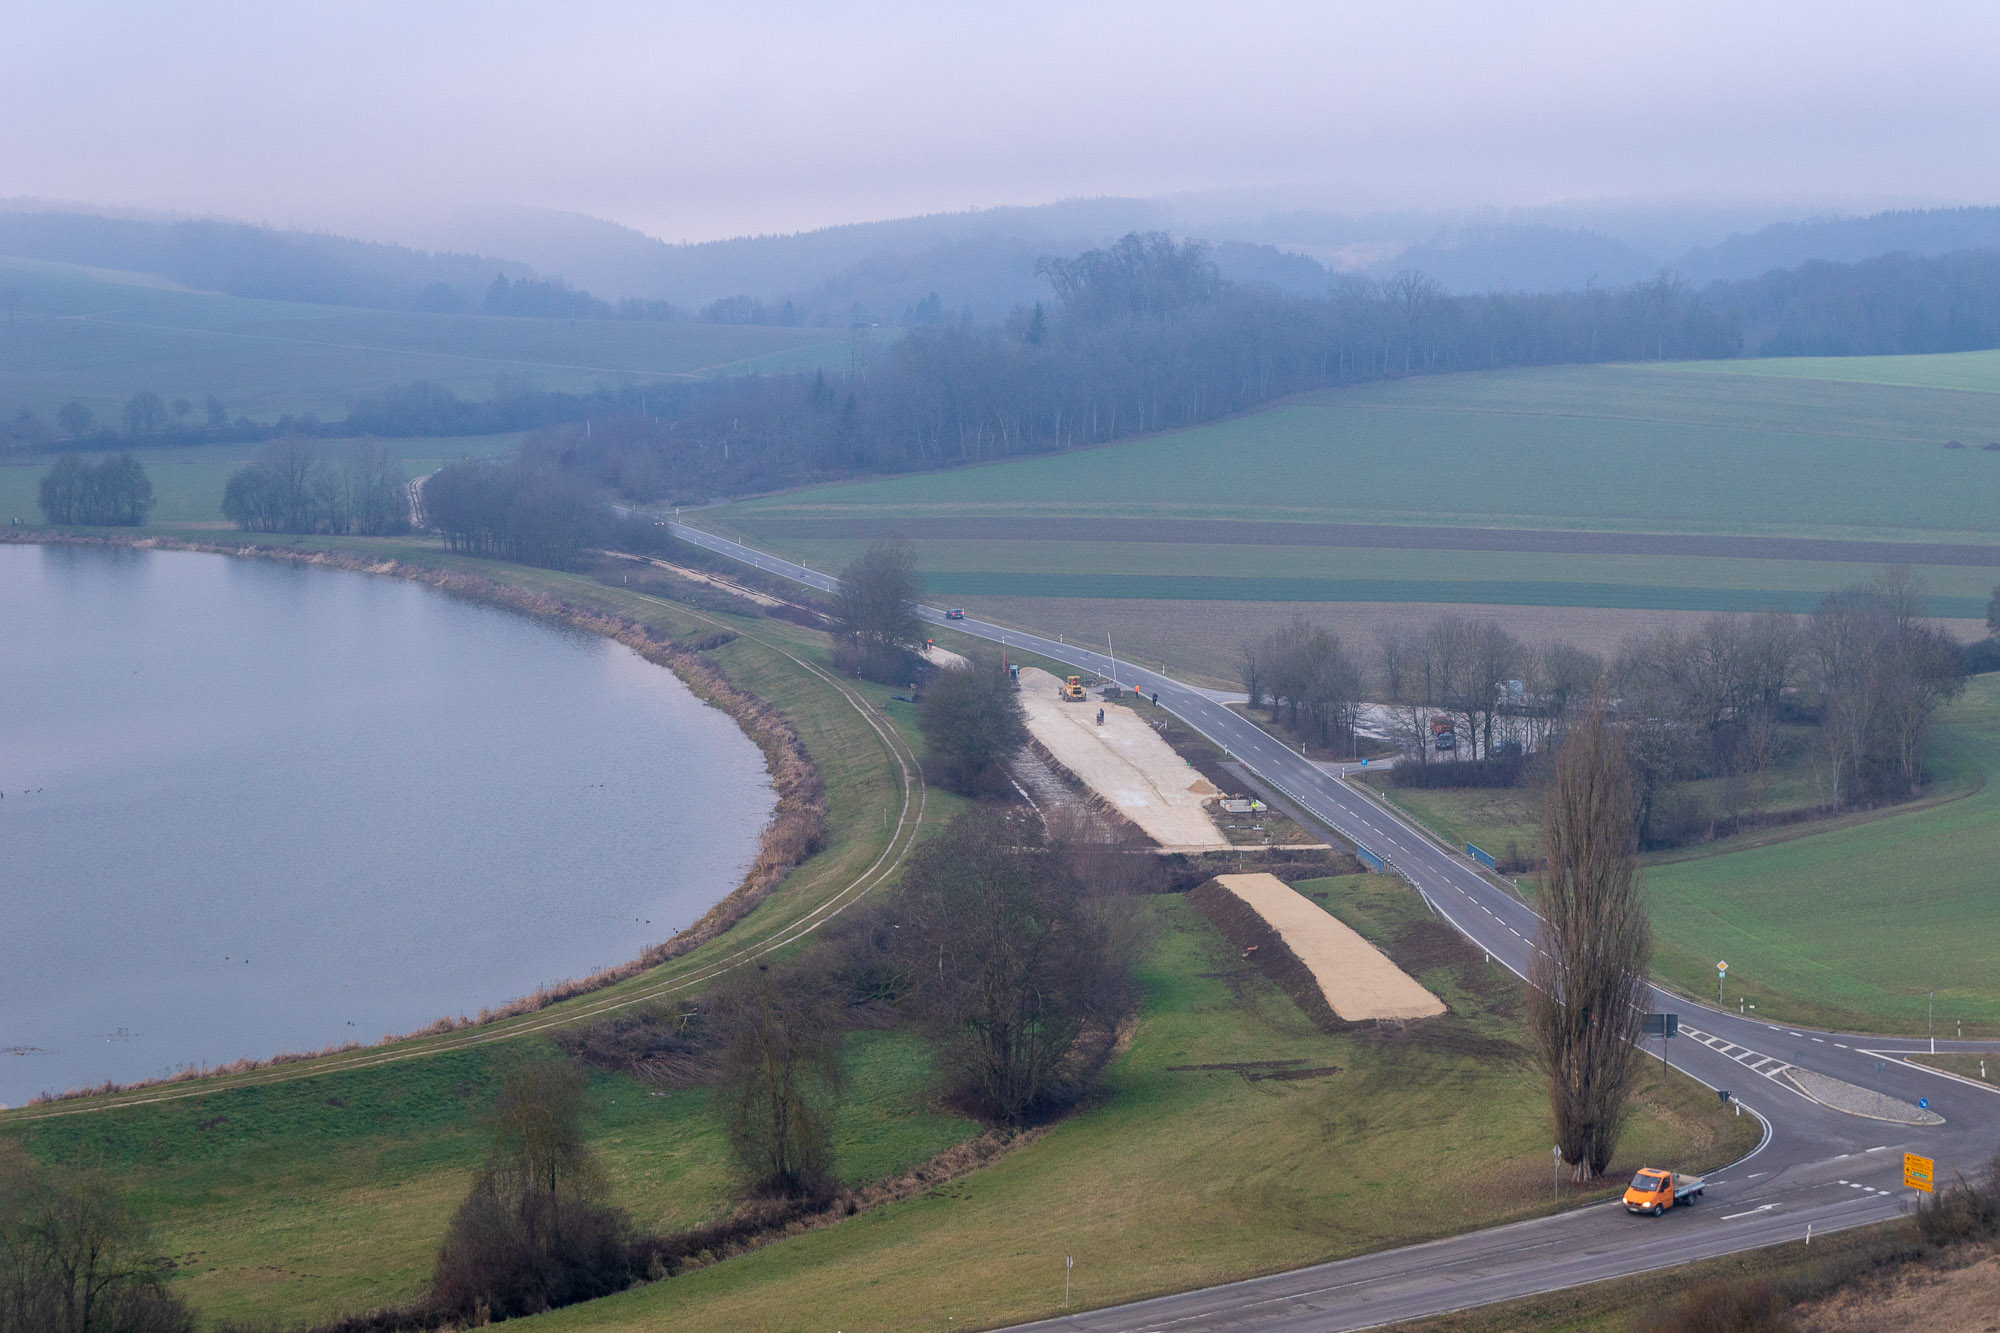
<point x="1923" y="1103"/>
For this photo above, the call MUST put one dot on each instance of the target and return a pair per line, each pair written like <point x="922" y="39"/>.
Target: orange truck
<point x="1654" y="1191"/>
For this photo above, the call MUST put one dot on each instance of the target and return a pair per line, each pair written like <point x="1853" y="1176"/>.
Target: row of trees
<point x="1303" y="672"/>
<point x="115" y="492"/>
<point x="1865" y="670"/>
<point x="145" y="416"/>
<point x="527" y="509"/>
<point x="297" y="484"/>
<point x="1144" y="335"/>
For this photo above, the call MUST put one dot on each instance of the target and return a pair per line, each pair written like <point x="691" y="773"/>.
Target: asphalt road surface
<point x="1817" y="1166"/>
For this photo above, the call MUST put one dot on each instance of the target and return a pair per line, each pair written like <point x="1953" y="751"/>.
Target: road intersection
<point x="1829" y="1160"/>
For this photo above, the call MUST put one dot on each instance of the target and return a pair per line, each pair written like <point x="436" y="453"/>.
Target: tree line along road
<point x="1817" y="1165"/>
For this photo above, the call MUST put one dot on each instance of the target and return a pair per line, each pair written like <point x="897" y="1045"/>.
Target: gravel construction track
<point x="1358" y="980"/>
<point x="1124" y="761"/>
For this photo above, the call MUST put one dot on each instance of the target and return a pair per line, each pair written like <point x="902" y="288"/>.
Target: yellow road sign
<point x="1917" y="1172"/>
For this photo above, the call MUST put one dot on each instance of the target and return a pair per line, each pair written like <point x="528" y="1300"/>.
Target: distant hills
<point x="264" y="263"/>
<point x="910" y="270"/>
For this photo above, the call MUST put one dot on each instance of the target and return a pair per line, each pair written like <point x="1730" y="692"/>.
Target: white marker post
<point x="1558" y="1150"/>
<point x="1069" y="1262"/>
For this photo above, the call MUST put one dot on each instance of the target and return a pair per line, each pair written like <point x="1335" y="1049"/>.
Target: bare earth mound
<point x="1358" y="980"/>
<point x="1126" y="762"/>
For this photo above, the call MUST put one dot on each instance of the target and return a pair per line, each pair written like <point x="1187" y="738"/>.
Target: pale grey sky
<point x="697" y="121"/>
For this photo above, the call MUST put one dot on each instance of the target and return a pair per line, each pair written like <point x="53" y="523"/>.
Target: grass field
<point x="1978" y="372"/>
<point x="1179" y="1178"/>
<point x="1985" y="1068"/>
<point x="100" y="337"/>
<point x="1844" y="923"/>
<point x="1853" y="926"/>
<point x="1581" y="502"/>
<point x="188" y="482"/>
<point x="325" y="1195"/>
<point x="1656" y="449"/>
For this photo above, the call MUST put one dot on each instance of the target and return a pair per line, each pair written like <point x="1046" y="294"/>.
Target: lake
<point x="252" y="807"/>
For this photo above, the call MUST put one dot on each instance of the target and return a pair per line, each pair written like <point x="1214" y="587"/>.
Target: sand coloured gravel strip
<point x="1124" y="761"/>
<point x="1357" y="979"/>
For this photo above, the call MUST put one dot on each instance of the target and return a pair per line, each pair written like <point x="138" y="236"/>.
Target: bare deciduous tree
<point x="74" y="1259"/>
<point x="973" y="724"/>
<point x="1013" y="961"/>
<point x="532" y="1234"/>
<point x="1587" y="979"/>
<point x="780" y="1074"/>
<point x="876" y="630"/>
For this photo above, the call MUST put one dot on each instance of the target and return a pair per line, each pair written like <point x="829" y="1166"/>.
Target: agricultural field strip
<point x="1759" y="428"/>
<point x="1367" y="536"/>
<point x="1314" y="573"/>
<point x="902" y="837"/>
<point x="401" y="351"/>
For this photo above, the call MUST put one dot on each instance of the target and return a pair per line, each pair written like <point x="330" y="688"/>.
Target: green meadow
<point x="1853" y="926"/>
<point x="188" y="482"/>
<point x="1695" y="448"/>
<point x="1163" y="570"/>
<point x="1846" y="922"/>
<point x="99" y="337"/>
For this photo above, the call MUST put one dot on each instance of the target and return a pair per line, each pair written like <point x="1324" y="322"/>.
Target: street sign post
<point x="1917" y="1172"/>
<point x="1721" y="971"/>
<point x="1664" y="1026"/>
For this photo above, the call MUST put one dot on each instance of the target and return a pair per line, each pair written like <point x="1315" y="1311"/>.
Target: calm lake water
<point x="251" y="807"/>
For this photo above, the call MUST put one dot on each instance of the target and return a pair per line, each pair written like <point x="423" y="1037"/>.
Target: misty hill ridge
<point x="907" y="270"/>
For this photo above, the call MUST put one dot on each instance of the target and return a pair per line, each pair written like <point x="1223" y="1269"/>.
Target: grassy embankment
<point x="99" y="337"/>
<point x="291" y="1192"/>
<point x="1982" y="1068"/>
<point x="1844" y="922"/>
<point x="1177" y="1177"/>
<point x="1186" y="543"/>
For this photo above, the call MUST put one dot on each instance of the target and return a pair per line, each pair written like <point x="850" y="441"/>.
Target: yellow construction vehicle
<point x="1072" y="690"/>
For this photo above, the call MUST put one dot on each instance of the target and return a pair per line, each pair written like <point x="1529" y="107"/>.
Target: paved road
<point x="1816" y="1165"/>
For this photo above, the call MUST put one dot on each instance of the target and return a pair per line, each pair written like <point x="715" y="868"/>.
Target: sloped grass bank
<point x="1178" y="1176"/>
<point x="1843" y="922"/>
<point x="1851" y="927"/>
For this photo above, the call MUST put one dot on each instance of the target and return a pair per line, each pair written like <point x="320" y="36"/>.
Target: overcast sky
<point x="692" y="122"/>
